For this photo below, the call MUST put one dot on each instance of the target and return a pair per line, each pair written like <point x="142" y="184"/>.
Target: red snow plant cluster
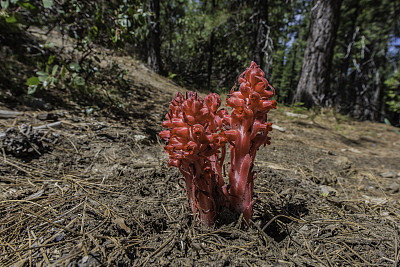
<point x="198" y="132"/>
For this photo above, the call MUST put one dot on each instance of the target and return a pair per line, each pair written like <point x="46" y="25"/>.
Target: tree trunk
<point x="153" y="38"/>
<point x="210" y="61"/>
<point x="262" y="22"/>
<point x="376" y="103"/>
<point x="211" y="51"/>
<point x="345" y="91"/>
<point x="313" y="86"/>
<point x="292" y="80"/>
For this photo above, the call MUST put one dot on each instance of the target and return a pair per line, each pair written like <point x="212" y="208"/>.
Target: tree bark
<point x="313" y="86"/>
<point x="262" y="22"/>
<point x="211" y="44"/>
<point x="210" y="61"/>
<point x="346" y="91"/>
<point x="153" y="39"/>
<point x="292" y="77"/>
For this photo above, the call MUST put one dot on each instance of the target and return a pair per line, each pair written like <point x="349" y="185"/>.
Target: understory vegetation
<point x="204" y="44"/>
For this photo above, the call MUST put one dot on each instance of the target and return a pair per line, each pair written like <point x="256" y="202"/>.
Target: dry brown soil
<point x="96" y="191"/>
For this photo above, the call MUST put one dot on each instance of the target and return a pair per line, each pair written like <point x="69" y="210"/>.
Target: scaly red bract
<point x="194" y="144"/>
<point x="197" y="131"/>
<point x="248" y="131"/>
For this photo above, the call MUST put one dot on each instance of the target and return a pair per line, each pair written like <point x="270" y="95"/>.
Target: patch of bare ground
<point x="95" y="190"/>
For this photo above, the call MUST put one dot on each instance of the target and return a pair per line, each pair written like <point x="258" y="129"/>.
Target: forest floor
<point x="95" y="190"/>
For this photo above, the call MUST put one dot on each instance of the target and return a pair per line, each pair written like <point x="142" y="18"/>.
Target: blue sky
<point x="394" y="45"/>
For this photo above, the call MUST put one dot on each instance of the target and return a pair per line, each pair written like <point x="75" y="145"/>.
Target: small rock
<point x="60" y="237"/>
<point x="85" y="259"/>
<point x="139" y="137"/>
<point x="42" y="116"/>
<point x="327" y="190"/>
<point x="351" y="149"/>
<point x="304" y="229"/>
<point x="388" y="174"/>
<point x="393" y="187"/>
<point x="300" y="116"/>
<point x="274" y="126"/>
<point x="196" y="246"/>
<point x="375" y="200"/>
<point x="47" y="116"/>
<point x="354" y="150"/>
<point x="343" y="162"/>
<point x="89" y="111"/>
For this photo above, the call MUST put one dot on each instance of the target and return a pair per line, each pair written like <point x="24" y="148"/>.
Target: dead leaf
<point x="121" y="223"/>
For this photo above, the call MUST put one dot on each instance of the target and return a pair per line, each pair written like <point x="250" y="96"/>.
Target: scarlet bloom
<point x="197" y="131"/>
<point x="250" y="130"/>
<point x="194" y="143"/>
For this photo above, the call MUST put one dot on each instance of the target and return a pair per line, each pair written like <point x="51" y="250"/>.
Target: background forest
<point x="340" y="54"/>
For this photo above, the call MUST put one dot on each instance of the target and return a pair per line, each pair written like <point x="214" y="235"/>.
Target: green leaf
<point x="42" y="73"/>
<point x="32" y="81"/>
<point x="32" y="89"/>
<point x="43" y="78"/>
<point x="79" y="81"/>
<point x="95" y="30"/>
<point x="4" y="4"/>
<point x="26" y="5"/>
<point x="387" y="122"/>
<point x="63" y="71"/>
<point x="54" y="71"/>
<point x="171" y="75"/>
<point x="75" y="66"/>
<point x="47" y="3"/>
<point x="11" y="19"/>
<point x="51" y="59"/>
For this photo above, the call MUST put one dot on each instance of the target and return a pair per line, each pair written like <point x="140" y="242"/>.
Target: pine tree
<point x="313" y="86"/>
<point x="153" y="38"/>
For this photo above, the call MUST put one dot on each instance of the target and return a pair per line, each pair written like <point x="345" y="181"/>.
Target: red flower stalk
<point x="248" y="131"/>
<point x="194" y="145"/>
<point x="197" y="131"/>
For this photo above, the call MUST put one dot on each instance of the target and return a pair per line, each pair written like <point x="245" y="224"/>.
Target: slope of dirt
<point x="95" y="190"/>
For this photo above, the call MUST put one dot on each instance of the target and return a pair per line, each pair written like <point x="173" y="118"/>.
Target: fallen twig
<point x="9" y="114"/>
<point x="56" y="124"/>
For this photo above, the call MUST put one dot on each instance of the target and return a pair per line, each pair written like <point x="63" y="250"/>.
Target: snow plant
<point x="197" y="134"/>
